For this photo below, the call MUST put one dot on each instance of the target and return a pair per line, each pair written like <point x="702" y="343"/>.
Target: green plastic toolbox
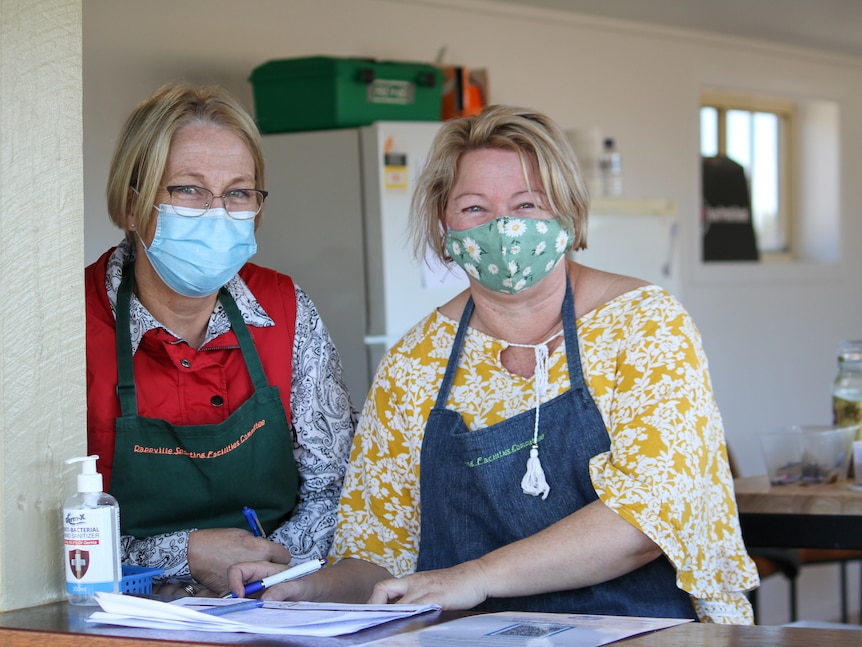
<point x="320" y="92"/>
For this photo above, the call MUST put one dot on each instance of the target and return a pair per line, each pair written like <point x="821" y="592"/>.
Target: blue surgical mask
<point x="195" y="256"/>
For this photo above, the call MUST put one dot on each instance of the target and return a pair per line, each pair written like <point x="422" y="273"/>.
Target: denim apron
<point x="169" y="477"/>
<point x="471" y="500"/>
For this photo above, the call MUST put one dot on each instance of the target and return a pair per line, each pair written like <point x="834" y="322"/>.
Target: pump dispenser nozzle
<point x="89" y="480"/>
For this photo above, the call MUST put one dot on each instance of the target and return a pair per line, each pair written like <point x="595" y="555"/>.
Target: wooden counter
<point x="799" y="516"/>
<point x="62" y="625"/>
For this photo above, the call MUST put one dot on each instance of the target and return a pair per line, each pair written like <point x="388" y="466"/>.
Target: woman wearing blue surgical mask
<point x="546" y="441"/>
<point x="212" y="384"/>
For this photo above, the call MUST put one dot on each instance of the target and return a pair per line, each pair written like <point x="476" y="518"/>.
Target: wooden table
<point x="799" y="516"/>
<point x="62" y="625"/>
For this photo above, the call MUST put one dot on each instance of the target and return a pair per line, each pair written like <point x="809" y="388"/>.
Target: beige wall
<point x="42" y="382"/>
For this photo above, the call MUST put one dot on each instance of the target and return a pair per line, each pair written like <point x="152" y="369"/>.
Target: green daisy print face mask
<point x="509" y="254"/>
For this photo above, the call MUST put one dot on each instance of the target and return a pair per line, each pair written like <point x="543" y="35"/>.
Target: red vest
<point x="175" y="382"/>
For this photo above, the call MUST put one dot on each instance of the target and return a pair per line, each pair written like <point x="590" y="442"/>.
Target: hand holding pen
<point x="293" y="573"/>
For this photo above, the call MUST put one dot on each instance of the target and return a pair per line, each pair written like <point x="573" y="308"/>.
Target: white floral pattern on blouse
<point x="666" y="472"/>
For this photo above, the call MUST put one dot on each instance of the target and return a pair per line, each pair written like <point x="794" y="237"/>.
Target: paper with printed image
<point x="515" y="628"/>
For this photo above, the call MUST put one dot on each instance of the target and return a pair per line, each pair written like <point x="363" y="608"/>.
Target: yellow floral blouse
<point x="666" y="472"/>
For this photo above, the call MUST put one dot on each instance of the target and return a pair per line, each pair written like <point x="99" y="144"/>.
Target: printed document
<point x="274" y="618"/>
<point x="527" y="629"/>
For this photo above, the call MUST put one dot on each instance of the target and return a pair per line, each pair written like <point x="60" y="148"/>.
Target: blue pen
<point x="230" y="608"/>
<point x="253" y="522"/>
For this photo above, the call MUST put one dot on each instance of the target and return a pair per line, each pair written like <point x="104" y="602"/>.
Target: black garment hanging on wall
<point x="728" y="232"/>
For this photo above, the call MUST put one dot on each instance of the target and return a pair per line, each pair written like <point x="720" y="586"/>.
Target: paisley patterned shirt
<point x="322" y="450"/>
<point x="666" y="472"/>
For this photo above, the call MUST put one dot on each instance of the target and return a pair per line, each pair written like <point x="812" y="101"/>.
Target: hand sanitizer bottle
<point x="91" y="537"/>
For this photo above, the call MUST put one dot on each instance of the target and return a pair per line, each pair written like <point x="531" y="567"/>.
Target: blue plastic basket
<point x="138" y="579"/>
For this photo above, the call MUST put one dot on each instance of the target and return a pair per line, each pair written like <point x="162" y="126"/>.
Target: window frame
<point x="785" y="111"/>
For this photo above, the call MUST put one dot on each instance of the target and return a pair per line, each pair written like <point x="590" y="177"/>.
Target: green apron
<point x="168" y="477"/>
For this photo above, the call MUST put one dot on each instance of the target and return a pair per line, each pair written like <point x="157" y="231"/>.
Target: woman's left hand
<point x="212" y="551"/>
<point x="459" y="587"/>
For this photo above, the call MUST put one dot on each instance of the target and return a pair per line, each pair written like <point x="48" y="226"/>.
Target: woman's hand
<point x="308" y="587"/>
<point x="350" y="580"/>
<point x="459" y="587"/>
<point x="211" y="552"/>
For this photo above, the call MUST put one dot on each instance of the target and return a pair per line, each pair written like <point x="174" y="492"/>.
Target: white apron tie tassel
<point x="534" y="482"/>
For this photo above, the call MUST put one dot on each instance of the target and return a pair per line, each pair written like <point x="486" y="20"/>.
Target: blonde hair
<point x="142" y="148"/>
<point x="524" y="131"/>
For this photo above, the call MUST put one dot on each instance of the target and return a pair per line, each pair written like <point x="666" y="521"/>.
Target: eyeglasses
<point x="195" y="201"/>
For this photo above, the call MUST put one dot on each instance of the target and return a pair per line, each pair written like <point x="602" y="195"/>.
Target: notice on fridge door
<point x="395" y="171"/>
<point x="394" y="167"/>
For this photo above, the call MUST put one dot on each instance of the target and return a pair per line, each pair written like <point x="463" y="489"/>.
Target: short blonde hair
<point x="502" y="127"/>
<point x="142" y="148"/>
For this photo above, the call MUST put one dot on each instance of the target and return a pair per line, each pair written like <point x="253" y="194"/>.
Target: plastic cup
<point x="826" y="452"/>
<point x="808" y="454"/>
<point x="782" y="453"/>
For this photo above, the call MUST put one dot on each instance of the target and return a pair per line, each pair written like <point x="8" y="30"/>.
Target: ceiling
<point x="833" y="26"/>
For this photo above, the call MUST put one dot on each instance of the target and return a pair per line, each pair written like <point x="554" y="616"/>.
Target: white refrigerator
<point x="336" y="221"/>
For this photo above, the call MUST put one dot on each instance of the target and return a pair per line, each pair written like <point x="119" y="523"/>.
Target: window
<point x="756" y="133"/>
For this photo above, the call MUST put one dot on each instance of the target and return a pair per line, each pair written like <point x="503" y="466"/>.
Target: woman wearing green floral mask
<point x="556" y="422"/>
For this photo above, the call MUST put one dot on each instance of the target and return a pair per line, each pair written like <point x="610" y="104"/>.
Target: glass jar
<point x="847" y="390"/>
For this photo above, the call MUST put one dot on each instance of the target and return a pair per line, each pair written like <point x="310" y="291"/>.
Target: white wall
<point x="771" y="332"/>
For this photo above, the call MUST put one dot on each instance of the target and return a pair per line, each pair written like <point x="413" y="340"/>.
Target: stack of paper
<point x="282" y="618"/>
